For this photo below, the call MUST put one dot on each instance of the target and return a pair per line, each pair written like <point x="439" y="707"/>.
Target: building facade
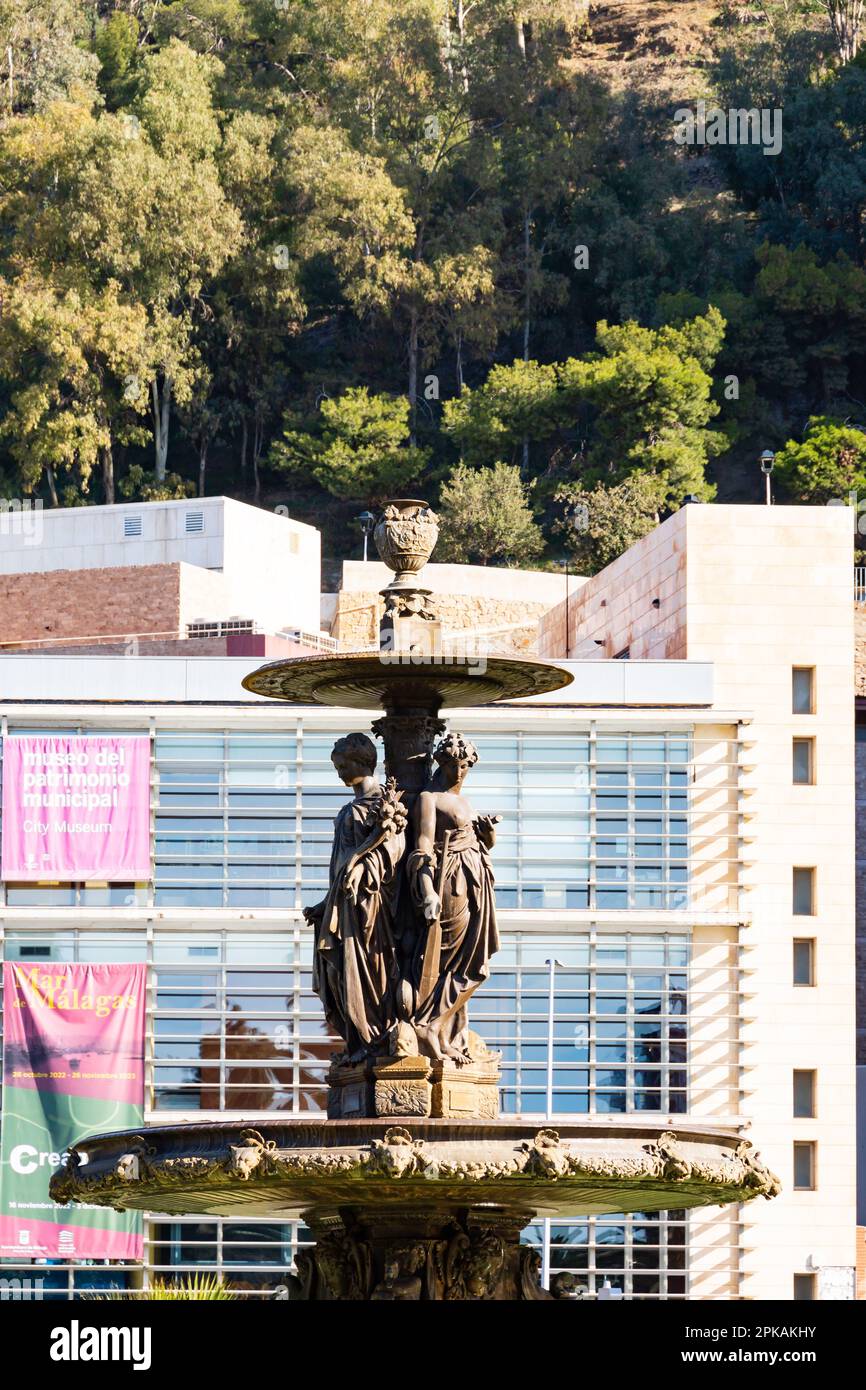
<point x="675" y="880"/>
<point x="155" y="571"/>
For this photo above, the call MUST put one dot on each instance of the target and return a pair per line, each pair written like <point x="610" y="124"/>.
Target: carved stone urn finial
<point x="405" y="536"/>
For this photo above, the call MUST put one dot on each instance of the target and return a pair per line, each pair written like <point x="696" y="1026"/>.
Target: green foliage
<point x="44" y="57"/>
<point x="598" y="524"/>
<point x="642" y="401"/>
<point x="73" y="356"/>
<point x="142" y="486"/>
<point x="486" y="516"/>
<point x="356" y="448"/>
<point x="116" y="46"/>
<point x="213" y="210"/>
<point x="650" y="393"/>
<point x="827" y="465"/>
<point x="515" y="403"/>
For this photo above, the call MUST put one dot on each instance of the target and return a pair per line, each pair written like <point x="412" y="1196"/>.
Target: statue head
<point x="455" y="755"/>
<point x="354" y="757"/>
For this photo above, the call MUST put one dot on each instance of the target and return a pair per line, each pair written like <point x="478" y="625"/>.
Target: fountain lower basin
<point x="288" y="1167"/>
<point x="427" y="1210"/>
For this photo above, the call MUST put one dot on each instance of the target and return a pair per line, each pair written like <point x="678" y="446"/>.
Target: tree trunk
<point x="413" y="373"/>
<point x="459" y="363"/>
<point x="11" y="78"/>
<point x="527" y="284"/>
<point x="520" y="35"/>
<point x="52" y="485"/>
<point x="527" y="309"/>
<point x="258" y="441"/>
<point x="105" y="451"/>
<point x="161" y="411"/>
<point x="846" y="17"/>
<point x="202" y="465"/>
<point x="461" y="27"/>
<point x="107" y="474"/>
<point x="244" y="439"/>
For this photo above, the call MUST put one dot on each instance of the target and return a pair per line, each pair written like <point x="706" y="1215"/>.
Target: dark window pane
<point x="802" y="690"/>
<point x="804" y="892"/>
<point x="804" y="1095"/>
<point x="804" y="962"/>
<point x="804" y="1166"/>
<point x="803" y="761"/>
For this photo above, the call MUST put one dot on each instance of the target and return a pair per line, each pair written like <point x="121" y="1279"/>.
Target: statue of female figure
<point x="354" y="964"/>
<point x="452" y="883"/>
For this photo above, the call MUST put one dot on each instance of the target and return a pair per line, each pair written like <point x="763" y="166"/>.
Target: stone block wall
<point x="85" y="603"/>
<point x="498" y="625"/>
<point x="615" y="609"/>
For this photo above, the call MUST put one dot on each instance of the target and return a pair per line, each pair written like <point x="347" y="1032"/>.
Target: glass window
<point x="643" y="1254"/>
<point x="804" y="1165"/>
<point x="804" y="892"/>
<point x="803" y="690"/>
<point x="804" y="961"/>
<point x="804" y="1287"/>
<point x="804" y="761"/>
<point x="804" y="1095"/>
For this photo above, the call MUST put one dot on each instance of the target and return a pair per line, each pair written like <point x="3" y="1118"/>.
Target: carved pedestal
<point x="422" y="1254"/>
<point x="401" y="1086"/>
<point x="466" y="1093"/>
<point x="349" y="1092"/>
<point x="413" y="1087"/>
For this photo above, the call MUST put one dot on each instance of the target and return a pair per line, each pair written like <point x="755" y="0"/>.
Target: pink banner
<point x="76" y="809"/>
<point x="73" y="1065"/>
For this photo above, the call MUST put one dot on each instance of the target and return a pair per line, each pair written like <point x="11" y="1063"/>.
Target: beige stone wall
<point x="502" y="625"/>
<point x="756" y="591"/>
<point x="615" y="607"/>
<point x="860" y="649"/>
<point x="545" y="587"/>
<point x="769" y="589"/>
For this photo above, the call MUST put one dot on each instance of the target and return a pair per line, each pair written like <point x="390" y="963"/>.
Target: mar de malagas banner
<point x="73" y="1065"/>
<point x="76" y="808"/>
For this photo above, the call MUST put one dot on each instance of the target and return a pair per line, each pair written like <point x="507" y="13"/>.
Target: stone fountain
<point x="413" y="1186"/>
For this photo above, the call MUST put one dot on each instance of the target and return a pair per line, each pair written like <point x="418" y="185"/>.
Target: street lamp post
<point x="367" y="523"/>
<point x="767" y="460"/>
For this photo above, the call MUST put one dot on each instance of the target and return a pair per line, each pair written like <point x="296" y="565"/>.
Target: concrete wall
<point x="769" y="589"/>
<point x="272" y="565"/>
<point x="76" y="538"/>
<point x="167" y="678"/>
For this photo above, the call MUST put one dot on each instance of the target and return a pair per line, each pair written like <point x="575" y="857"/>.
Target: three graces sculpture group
<point x="405" y="933"/>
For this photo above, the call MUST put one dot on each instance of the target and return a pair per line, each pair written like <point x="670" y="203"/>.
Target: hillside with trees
<point x="314" y="253"/>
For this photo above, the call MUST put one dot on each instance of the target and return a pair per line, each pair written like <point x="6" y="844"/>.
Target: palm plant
<point x="197" y="1286"/>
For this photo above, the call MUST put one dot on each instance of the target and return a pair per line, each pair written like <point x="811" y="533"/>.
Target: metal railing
<point x="222" y="627"/>
<point x="319" y="641"/>
<point x="860" y="583"/>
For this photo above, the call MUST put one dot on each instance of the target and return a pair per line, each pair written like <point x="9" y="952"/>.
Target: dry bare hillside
<point x="651" y="45"/>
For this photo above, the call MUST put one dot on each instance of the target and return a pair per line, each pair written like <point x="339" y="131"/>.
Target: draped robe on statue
<point x="354" y="966"/>
<point x="469" y="932"/>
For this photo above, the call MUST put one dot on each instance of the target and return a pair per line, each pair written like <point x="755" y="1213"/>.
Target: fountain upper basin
<point x="370" y="680"/>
